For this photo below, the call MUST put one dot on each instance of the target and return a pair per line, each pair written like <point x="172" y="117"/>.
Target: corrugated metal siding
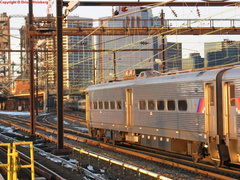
<point x="190" y="120"/>
<point x="108" y="94"/>
<point x="108" y="116"/>
<point x="169" y="90"/>
<point x="113" y="117"/>
<point x="238" y="125"/>
<point x="157" y="120"/>
<point x="176" y="121"/>
<point x="237" y="86"/>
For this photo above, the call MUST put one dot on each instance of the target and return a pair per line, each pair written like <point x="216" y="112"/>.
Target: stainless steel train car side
<point x="189" y="113"/>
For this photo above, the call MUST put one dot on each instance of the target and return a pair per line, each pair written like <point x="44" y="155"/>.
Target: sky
<point x="19" y="8"/>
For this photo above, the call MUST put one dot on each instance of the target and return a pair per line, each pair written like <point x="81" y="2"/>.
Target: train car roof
<point x="206" y="75"/>
<point x="232" y="74"/>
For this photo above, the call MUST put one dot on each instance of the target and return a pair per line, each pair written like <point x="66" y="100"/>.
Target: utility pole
<point x="21" y="49"/>
<point x="31" y="41"/>
<point x="163" y="43"/>
<point x="94" y="68"/>
<point x="114" y="66"/>
<point x="36" y="99"/>
<point x="60" y="142"/>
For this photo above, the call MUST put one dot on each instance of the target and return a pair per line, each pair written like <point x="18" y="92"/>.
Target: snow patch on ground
<point x="15" y="113"/>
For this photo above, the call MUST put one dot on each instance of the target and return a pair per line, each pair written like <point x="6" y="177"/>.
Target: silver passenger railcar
<point x="195" y="113"/>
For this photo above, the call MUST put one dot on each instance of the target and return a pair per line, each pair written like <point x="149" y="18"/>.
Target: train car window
<point x="171" y="105"/>
<point x="151" y="105"/>
<point x="106" y="105"/>
<point x="232" y="94"/>
<point x="100" y="105"/>
<point x="142" y="105"/>
<point x="211" y="94"/>
<point x="94" y="105"/>
<point x="160" y="105"/>
<point x="119" y="104"/>
<point x="182" y="105"/>
<point x="112" y="104"/>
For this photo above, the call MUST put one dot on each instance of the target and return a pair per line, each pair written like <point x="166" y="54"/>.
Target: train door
<point x="129" y="107"/>
<point x="210" y="110"/>
<point x="230" y="110"/>
<point x="88" y="113"/>
<point x="211" y="121"/>
<point x="230" y="124"/>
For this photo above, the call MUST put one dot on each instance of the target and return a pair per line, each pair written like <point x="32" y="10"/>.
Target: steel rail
<point x="130" y="152"/>
<point x="90" y="153"/>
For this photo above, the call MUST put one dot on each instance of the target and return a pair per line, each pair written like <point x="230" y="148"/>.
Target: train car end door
<point x="129" y="102"/>
<point x="230" y="121"/>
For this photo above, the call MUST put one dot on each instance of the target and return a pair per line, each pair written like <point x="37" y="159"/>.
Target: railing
<point x="12" y="159"/>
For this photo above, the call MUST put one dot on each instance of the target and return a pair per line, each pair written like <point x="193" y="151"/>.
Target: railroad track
<point x="185" y="162"/>
<point x="218" y="173"/>
<point x="80" y="118"/>
<point x="119" y="162"/>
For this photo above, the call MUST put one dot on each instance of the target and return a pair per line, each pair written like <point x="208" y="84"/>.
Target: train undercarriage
<point x="197" y="150"/>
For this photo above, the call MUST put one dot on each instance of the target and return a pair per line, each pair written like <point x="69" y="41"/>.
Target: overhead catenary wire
<point x="150" y="57"/>
<point x="132" y="44"/>
<point x="151" y="6"/>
